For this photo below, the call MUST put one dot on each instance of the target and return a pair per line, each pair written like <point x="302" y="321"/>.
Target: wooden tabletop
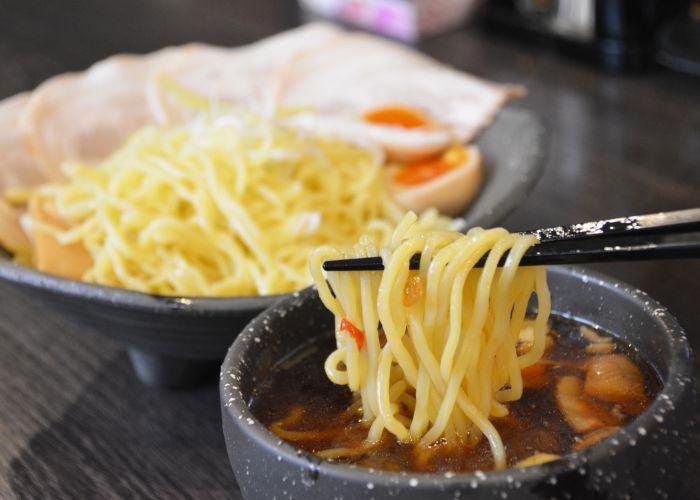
<point x="74" y="420"/>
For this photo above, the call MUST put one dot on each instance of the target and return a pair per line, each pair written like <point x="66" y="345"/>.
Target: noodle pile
<point x="444" y="360"/>
<point x="224" y="205"/>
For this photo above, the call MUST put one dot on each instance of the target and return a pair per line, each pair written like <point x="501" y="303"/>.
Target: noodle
<point x="224" y="205"/>
<point x="445" y="360"/>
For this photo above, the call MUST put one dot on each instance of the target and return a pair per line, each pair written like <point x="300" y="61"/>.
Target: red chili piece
<point x="354" y="332"/>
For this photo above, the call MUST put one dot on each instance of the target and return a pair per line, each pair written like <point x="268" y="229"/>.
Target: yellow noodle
<point x="301" y="435"/>
<point x="225" y="205"/>
<point x="450" y="362"/>
<point x="335" y="453"/>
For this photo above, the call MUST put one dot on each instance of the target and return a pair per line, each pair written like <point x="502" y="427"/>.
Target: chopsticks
<point x="664" y="235"/>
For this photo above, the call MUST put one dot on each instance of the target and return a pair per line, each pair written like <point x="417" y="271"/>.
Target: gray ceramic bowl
<point x="175" y="341"/>
<point x="646" y="458"/>
<point x="172" y="341"/>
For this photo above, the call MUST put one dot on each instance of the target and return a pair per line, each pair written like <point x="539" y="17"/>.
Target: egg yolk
<point x="426" y="170"/>
<point x="397" y="116"/>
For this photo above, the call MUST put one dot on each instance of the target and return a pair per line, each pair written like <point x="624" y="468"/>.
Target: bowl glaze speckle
<point x="645" y="456"/>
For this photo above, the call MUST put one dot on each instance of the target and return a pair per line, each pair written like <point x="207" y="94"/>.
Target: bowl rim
<point x="18" y="274"/>
<point x="679" y="380"/>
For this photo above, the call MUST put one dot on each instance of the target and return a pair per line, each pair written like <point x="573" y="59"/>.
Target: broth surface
<point x="313" y="412"/>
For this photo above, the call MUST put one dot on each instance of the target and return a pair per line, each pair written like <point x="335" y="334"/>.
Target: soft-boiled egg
<point x="425" y="167"/>
<point x="397" y="142"/>
<point x="406" y="134"/>
<point x="447" y="182"/>
<point x="397" y="116"/>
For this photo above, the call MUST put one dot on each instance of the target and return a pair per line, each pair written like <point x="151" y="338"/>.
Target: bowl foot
<point x="169" y="372"/>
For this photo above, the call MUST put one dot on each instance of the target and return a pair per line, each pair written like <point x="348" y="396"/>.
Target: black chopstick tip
<point x="360" y="264"/>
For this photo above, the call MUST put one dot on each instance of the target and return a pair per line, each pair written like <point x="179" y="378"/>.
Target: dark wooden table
<point x="75" y="422"/>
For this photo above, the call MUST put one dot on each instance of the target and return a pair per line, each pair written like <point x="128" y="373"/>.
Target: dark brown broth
<point x="534" y="424"/>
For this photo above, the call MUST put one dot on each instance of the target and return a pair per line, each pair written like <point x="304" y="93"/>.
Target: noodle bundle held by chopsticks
<point x="432" y="353"/>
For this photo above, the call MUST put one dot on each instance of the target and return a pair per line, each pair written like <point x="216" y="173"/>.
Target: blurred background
<point x="617" y="35"/>
<point x="616" y="81"/>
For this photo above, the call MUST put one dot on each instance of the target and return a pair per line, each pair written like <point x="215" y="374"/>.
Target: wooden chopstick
<point x="640" y="237"/>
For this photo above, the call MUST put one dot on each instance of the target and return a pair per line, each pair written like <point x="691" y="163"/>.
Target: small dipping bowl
<point x="647" y="457"/>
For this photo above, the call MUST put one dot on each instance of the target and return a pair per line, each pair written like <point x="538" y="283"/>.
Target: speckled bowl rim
<point x="679" y="376"/>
